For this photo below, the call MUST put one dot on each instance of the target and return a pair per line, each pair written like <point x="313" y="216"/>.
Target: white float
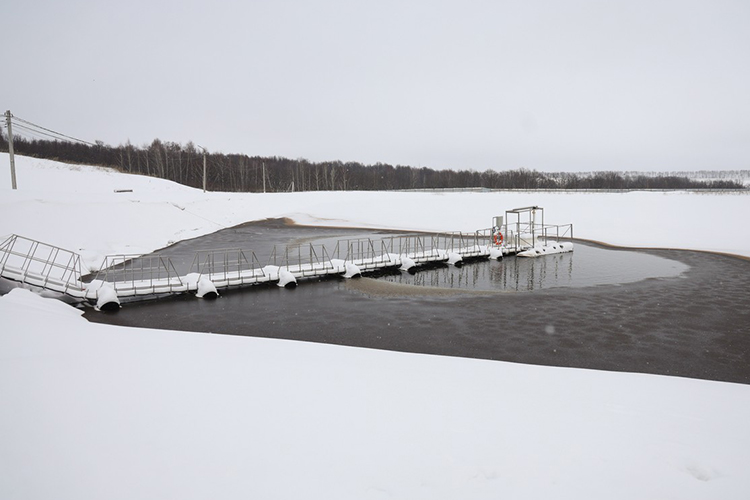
<point x="496" y="253"/>
<point x="548" y="249"/>
<point x="455" y="259"/>
<point x="407" y="263"/>
<point x="206" y="289"/>
<point x="286" y="279"/>
<point x="352" y="270"/>
<point x="106" y="296"/>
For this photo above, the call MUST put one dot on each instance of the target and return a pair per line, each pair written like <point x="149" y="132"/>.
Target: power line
<point x="50" y="130"/>
<point x="36" y="133"/>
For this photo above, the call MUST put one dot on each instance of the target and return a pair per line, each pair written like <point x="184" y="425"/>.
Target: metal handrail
<point x="306" y="263"/>
<point x="232" y="260"/>
<point x="59" y="270"/>
<point x="146" y="272"/>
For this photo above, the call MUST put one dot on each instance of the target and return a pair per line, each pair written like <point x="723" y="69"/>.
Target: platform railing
<point x="40" y="264"/>
<point x="557" y="232"/>
<point x="140" y="275"/>
<point x="363" y="252"/>
<point x="231" y="265"/>
<point x="304" y="260"/>
<point x="521" y="236"/>
<point x="419" y="247"/>
<point x="465" y="244"/>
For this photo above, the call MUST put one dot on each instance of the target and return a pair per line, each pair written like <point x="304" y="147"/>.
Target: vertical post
<point x="204" y="166"/>
<point x="264" y="177"/>
<point x="10" y="151"/>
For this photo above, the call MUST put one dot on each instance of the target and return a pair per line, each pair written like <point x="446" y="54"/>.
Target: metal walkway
<point x="521" y="231"/>
<point x="141" y="277"/>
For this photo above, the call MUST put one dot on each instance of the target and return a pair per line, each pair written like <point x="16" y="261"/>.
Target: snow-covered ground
<point x="78" y="209"/>
<point x="95" y="411"/>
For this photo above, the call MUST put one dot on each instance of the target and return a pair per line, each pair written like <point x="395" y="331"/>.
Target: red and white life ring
<point x="498" y="237"/>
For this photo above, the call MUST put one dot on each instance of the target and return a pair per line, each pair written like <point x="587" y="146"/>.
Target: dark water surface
<point x="659" y="311"/>
<point x="587" y="265"/>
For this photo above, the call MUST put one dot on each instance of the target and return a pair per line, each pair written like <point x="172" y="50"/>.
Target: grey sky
<point x="547" y="85"/>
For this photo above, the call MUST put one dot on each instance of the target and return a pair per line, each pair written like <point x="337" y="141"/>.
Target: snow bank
<point x="77" y="208"/>
<point x="93" y="411"/>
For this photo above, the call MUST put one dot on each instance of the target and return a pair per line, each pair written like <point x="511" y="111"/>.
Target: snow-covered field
<point x="95" y="411"/>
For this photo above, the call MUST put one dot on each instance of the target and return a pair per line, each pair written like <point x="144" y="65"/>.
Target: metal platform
<point x="134" y="277"/>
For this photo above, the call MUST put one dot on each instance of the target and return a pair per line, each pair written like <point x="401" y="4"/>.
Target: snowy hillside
<point x="78" y="209"/>
<point x="91" y="411"/>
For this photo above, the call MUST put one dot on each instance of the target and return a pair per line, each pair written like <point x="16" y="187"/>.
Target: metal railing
<point x="526" y="236"/>
<point x="40" y="264"/>
<point x="418" y="247"/>
<point x="364" y="252"/>
<point x="231" y="266"/>
<point x="140" y="275"/>
<point x="303" y="260"/>
<point x="30" y="261"/>
<point x="466" y="244"/>
<point x="556" y="232"/>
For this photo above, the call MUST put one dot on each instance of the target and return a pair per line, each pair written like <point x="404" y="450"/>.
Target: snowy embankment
<point x="95" y="411"/>
<point x="77" y="208"/>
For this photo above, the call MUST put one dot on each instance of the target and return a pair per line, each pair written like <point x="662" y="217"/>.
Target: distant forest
<point x="242" y="173"/>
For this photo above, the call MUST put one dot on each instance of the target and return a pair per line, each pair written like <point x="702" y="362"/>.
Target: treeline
<point x="242" y="173"/>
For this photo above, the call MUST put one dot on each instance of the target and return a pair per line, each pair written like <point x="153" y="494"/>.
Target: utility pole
<point x="8" y="116"/>
<point x="264" y="176"/>
<point x="204" y="167"/>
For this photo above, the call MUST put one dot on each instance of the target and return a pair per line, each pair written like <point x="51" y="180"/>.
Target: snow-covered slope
<point x="92" y="411"/>
<point x="77" y="208"/>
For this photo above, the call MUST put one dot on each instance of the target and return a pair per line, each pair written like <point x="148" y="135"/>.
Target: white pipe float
<point x="352" y="270"/>
<point x="286" y="279"/>
<point x="206" y="289"/>
<point x="496" y="253"/>
<point x="407" y="264"/>
<point x="106" y="298"/>
<point x="455" y="259"/>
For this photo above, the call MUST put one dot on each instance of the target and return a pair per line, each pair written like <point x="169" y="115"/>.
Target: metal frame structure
<point x="524" y="227"/>
<point x="467" y="245"/>
<point x="362" y="253"/>
<point x="40" y="264"/>
<point x="132" y="275"/>
<point x="229" y="267"/>
<point x="305" y="264"/>
<point x="418" y="247"/>
<point x="30" y="261"/>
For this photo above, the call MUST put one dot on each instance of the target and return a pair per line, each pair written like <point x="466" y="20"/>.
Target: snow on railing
<point x="418" y="247"/>
<point x="304" y="260"/>
<point x="36" y="263"/>
<point x="364" y="253"/>
<point x="132" y="275"/>
<point x="229" y="266"/>
<point x="466" y="244"/>
<point x="40" y="264"/>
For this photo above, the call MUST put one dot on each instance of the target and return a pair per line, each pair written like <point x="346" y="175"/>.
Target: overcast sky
<point x="546" y="85"/>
